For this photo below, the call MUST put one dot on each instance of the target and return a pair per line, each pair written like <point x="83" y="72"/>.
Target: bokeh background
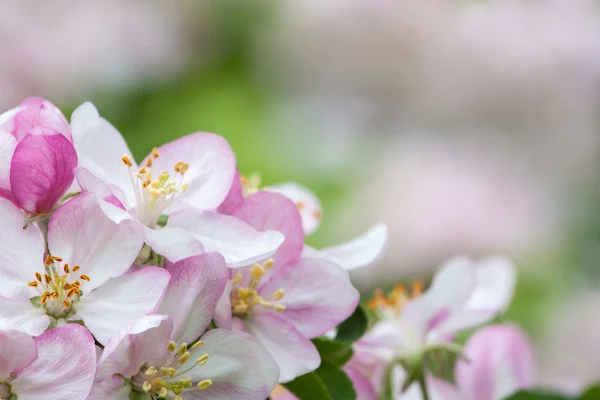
<point x="468" y="126"/>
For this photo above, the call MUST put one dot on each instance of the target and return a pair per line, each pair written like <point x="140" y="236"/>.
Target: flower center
<point x="153" y="195"/>
<point x="244" y="294"/>
<point x="59" y="287"/>
<point x="250" y="184"/>
<point x="391" y="305"/>
<point x="168" y="381"/>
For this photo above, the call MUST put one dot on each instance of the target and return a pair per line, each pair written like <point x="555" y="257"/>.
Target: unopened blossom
<point x="463" y="294"/>
<point x="82" y="277"/>
<point x="287" y="299"/>
<point x="189" y="177"/>
<point x="58" y="364"/>
<point x="37" y="156"/>
<point x="178" y="359"/>
<point x="497" y="361"/>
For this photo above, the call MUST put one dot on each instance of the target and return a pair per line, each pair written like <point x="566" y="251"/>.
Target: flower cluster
<point x="175" y="278"/>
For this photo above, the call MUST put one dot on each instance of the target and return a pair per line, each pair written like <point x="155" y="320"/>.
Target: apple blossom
<point x="190" y="176"/>
<point x="58" y="364"/>
<point x="287" y="299"/>
<point x="178" y="359"/>
<point x="82" y="277"/>
<point x="37" y="156"/>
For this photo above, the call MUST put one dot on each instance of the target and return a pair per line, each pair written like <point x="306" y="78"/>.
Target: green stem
<point x="423" y="387"/>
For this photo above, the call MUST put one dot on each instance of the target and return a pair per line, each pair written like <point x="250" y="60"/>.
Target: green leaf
<point x="309" y="387"/>
<point x="354" y="327"/>
<point x="537" y="395"/>
<point x="338" y="384"/>
<point x="333" y="351"/>
<point x="591" y="393"/>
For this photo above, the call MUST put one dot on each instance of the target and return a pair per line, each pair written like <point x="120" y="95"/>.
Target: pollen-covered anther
<point x="245" y="296"/>
<point x="127" y="160"/>
<point x="204" y="384"/>
<point x="202" y="359"/>
<point x="393" y="303"/>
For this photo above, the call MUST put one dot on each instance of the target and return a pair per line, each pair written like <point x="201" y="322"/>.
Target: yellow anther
<point x="163" y="392"/>
<point x="202" y="359"/>
<point x="197" y="344"/>
<point x="171" y="346"/>
<point x="184" y="186"/>
<point x="237" y="279"/>
<point x="204" y="384"/>
<point x="67" y="303"/>
<point x="127" y="160"/>
<point x="56" y="258"/>
<point x="38" y="276"/>
<point x="76" y="268"/>
<point x="185" y="382"/>
<point x="148" y="162"/>
<point x="151" y="371"/>
<point x="279" y="307"/>
<point x="146" y="386"/>
<point x="240" y="308"/>
<point x="257" y="271"/>
<point x="155" y="152"/>
<point x="85" y="277"/>
<point x="182" y="348"/>
<point x="278" y="295"/>
<point x="263" y="302"/>
<point x="184" y="357"/>
<point x="67" y="269"/>
<point x="269" y="263"/>
<point x="33" y="284"/>
<point x="48" y="260"/>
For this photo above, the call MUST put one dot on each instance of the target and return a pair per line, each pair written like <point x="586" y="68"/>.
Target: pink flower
<point x="288" y="299"/>
<point x="58" y="364"/>
<point x="500" y="362"/>
<point x="184" y="179"/>
<point x="463" y="294"/>
<point x="178" y="358"/>
<point x="83" y="278"/>
<point x="36" y="155"/>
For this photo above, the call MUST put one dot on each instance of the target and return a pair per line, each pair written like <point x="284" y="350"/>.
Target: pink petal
<point x="91" y="183"/>
<point x="234" y="198"/>
<point x="21" y="250"/>
<point x="113" y="388"/>
<point x="211" y="168"/>
<point x="362" y="386"/>
<point x="359" y="252"/>
<point x="100" y="148"/>
<point x="266" y="211"/>
<point x="173" y="243"/>
<point x="17" y="351"/>
<point x="41" y="171"/>
<point x="501" y="362"/>
<point x="20" y="314"/>
<point x="293" y="352"/>
<point x="64" y="369"/>
<point x="237" y="365"/>
<point x="7" y="147"/>
<point x="239" y="243"/>
<point x="192" y="294"/>
<point x="81" y="234"/>
<point x="307" y="202"/>
<point x="223" y="315"/>
<point x="115" y="306"/>
<point x="34" y="112"/>
<point x="318" y="295"/>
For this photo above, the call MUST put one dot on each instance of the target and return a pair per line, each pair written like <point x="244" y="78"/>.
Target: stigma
<point x="59" y="286"/>
<point x="154" y="194"/>
<point x="389" y="306"/>
<point x="244" y="294"/>
<point x="169" y="380"/>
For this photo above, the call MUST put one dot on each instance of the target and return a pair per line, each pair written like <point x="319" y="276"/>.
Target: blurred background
<point x="468" y="126"/>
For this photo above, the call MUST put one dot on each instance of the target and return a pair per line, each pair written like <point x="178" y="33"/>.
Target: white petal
<point x="307" y="202"/>
<point x="236" y="241"/>
<point x="121" y="302"/>
<point x="20" y="314"/>
<point x="17" y="351"/>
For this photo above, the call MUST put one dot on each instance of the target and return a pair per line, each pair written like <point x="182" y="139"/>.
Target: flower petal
<point x="211" y="167"/>
<point x="239" y="368"/>
<point x="81" y="234"/>
<point x="41" y="171"/>
<point x="34" y="112"/>
<point x="64" y="369"/>
<point x="266" y="211"/>
<point x="293" y="352"/>
<point x="318" y="295"/>
<point x="20" y="314"/>
<point x="17" y="351"/>
<point x="239" y="243"/>
<point x="91" y="183"/>
<point x="359" y="252"/>
<point x="100" y="148"/>
<point x="117" y="305"/>
<point x="307" y="202"/>
<point x="223" y="315"/>
<point x="234" y="198"/>
<point x="21" y="250"/>
<point x="7" y="147"/>
<point x="501" y="362"/>
<point x="113" y="388"/>
<point x="495" y="280"/>
<point x="362" y="386"/>
<point x="192" y="294"/>
<point x="173" y="243"/>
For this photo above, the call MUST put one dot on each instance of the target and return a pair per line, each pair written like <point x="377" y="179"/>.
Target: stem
<point x="423" y="387"/>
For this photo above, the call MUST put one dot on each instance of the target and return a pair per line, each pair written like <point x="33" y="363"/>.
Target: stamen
<point x="155" y="152"/>
<point x="278" y="295"/>
<point x="204" y="384"/>
<point x="171" y="346"/>
<point x="33" y="284"/>
<point x="197" y="344"/>
<point x="202" y="359"/>
<point x="127" y="160"/>
<point x="391" y="305"/>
